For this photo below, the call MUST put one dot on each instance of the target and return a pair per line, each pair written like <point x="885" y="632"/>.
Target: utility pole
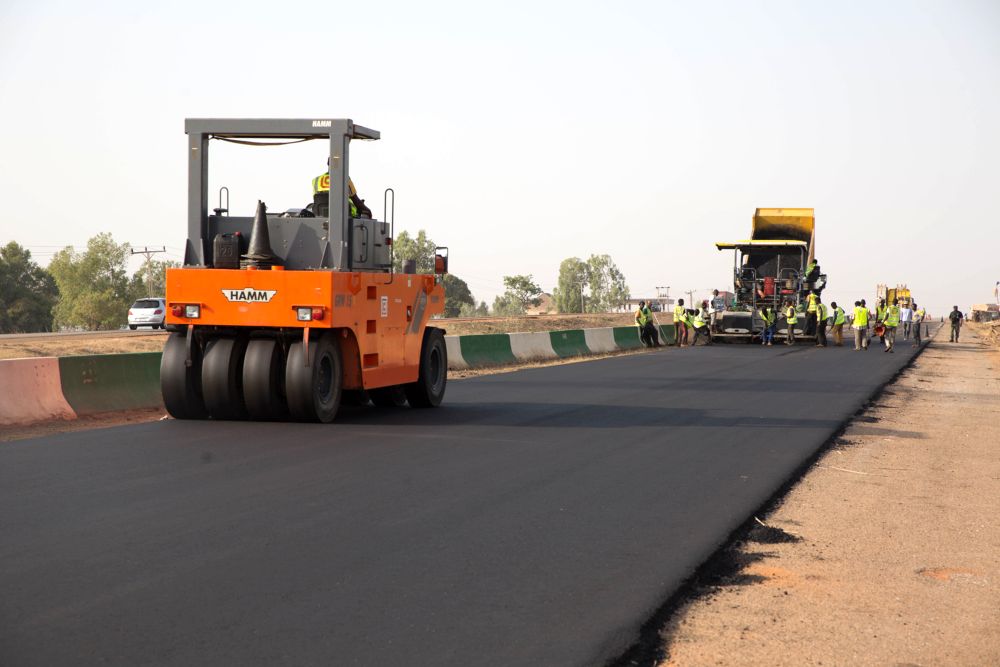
<point x="690" y="294"/>
<point x="663" y="295"/>
<point x="581" y="284"/>
<point x="148" y="254"/>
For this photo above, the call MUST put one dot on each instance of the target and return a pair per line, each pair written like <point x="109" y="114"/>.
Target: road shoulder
<point x="886" y="551"/>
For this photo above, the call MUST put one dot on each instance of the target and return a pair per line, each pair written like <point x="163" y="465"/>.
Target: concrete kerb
<point x="30" y="391"/>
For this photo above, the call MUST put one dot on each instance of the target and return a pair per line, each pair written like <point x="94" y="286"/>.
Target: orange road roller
<point x="288" y="316"/>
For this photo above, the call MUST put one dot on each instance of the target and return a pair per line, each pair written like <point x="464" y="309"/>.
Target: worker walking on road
<point x="839" y="319"/>
<point x="791" y="320"/>
<point x="647" y="330"/>
<point x="906" y="319"/>
<point x="821" y="316"/>
<point x="890" y="323"/>
<point x="860" y="326"/>
<point x="680" y="323"/>
<point x="955" y="316"/>
<point x="700" y="324"/>
<point x="880" y="311"/>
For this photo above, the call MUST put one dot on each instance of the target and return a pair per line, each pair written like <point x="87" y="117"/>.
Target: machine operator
<point x="321" y="196"/>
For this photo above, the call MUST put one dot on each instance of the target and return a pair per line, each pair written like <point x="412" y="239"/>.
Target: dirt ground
<point x="887" y="552"/>
<point x="10" y="432"/>
<point x="65" y="346"/>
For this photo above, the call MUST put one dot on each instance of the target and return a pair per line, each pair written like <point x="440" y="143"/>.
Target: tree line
<point x="91" y="289"/>
<point x="595" y="285"/>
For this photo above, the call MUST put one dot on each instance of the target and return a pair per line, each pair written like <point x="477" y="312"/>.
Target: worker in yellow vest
<point x="769" y="318"/>
<point x="321" y="197"/>
<point x="891" y="322"/>
<point x="680" y="324"/>
<point x="918" y="321"/>
<point x="791" y="320"/>
<point x="648" y="335"/>
<point x="699" y="322"/>
<point x="839" y="319"/>
<point x="860" y="325"/>
<point x="880" y="312"/>
<point x="821" y="315"/>
<point x="811" y="317"/>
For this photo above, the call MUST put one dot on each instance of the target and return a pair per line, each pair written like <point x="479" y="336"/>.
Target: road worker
<point x="699" y="322"/>
<point x="769" y="317"/>
<point x="880" y="312"/>
<point x="955" y="317"/>
<point x="918" y="321"/>
<point x="811" y="317"/>
<point x="647" y="330"/>
<point x="321" y="196"/>
<point x="821" y="315"/>
<point x="890" y="323"/>
<point x="839" y="319"/>
<point x="860" y="326"/>
<point x="791" y="320"/>
<point x="680" y="323"/>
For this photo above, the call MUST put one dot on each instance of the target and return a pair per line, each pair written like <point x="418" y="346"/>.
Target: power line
<point x="148" y="254"/>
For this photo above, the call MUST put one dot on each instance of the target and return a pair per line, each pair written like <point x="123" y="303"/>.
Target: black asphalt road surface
<point x="536" y="518"/>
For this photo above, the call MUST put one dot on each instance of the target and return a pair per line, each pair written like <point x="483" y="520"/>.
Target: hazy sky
<point x="522" y="133"/>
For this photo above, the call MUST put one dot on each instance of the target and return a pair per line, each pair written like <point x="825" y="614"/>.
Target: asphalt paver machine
<point x="286" y="316"/>
<point x="770" y="269"/>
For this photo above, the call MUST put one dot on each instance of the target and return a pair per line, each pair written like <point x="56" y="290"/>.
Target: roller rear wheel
<point x="222" y="378"/>
<point x="264" y="380"/>
<point x="428" y="390"/>
<point x="313" y="386"/>
<point x="181" y="384"/>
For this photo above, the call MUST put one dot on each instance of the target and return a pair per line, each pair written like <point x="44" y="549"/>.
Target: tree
<point x="95" y="290"/>
<point x="522" y="292"/>
<point x="573" y="276"/>
<point x="607" y="285"/>
<point x="152" y="278"/>
<point x="604" y="283"/>
<point x="420" y="248"/>
<point x="472" y="310"/>
<point x="456" y="295"/>
<point x="27" y="292"/>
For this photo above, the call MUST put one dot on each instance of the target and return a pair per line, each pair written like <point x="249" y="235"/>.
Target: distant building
<point x="984" y="312"/>
<point x="545" y="305"/>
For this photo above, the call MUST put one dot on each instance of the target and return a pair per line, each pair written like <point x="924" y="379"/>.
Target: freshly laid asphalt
<point x="537" y="518"/>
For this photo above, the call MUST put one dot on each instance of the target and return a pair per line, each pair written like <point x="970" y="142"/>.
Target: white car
<point x="147" y="313"/>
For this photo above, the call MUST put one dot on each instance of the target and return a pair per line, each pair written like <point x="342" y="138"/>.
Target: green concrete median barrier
<point x="487" y="350"/>
<point x="569" y="343"/>
<point x="103" y="382"/>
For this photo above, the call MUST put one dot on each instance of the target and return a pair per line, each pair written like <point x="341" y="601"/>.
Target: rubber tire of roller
<point x="180" y="385"/>
<point x="263" y="380"/>
<point x="432" y="380"/>
<point x="313" y="390"/>
<point x="222" y="377"/>
<point x="388" y="397"/>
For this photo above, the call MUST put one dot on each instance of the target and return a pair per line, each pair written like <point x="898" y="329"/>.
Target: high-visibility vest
<point x="820" y="312"/>
<point x="892" y="317"/>
<point x="812" y="303"/>
<point x="767" y="317"/>
<point x="699" y="319"/>
<point x="880" y="314"/>
<point x="790" y="315"/>
<point x="322" y="184"/>
<point x="838" y="316"/>
<point x="642" y="316"/>
<point x="680" y="317"/>
<point x="860" y="316"/>
<point x="920" y="315"/>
